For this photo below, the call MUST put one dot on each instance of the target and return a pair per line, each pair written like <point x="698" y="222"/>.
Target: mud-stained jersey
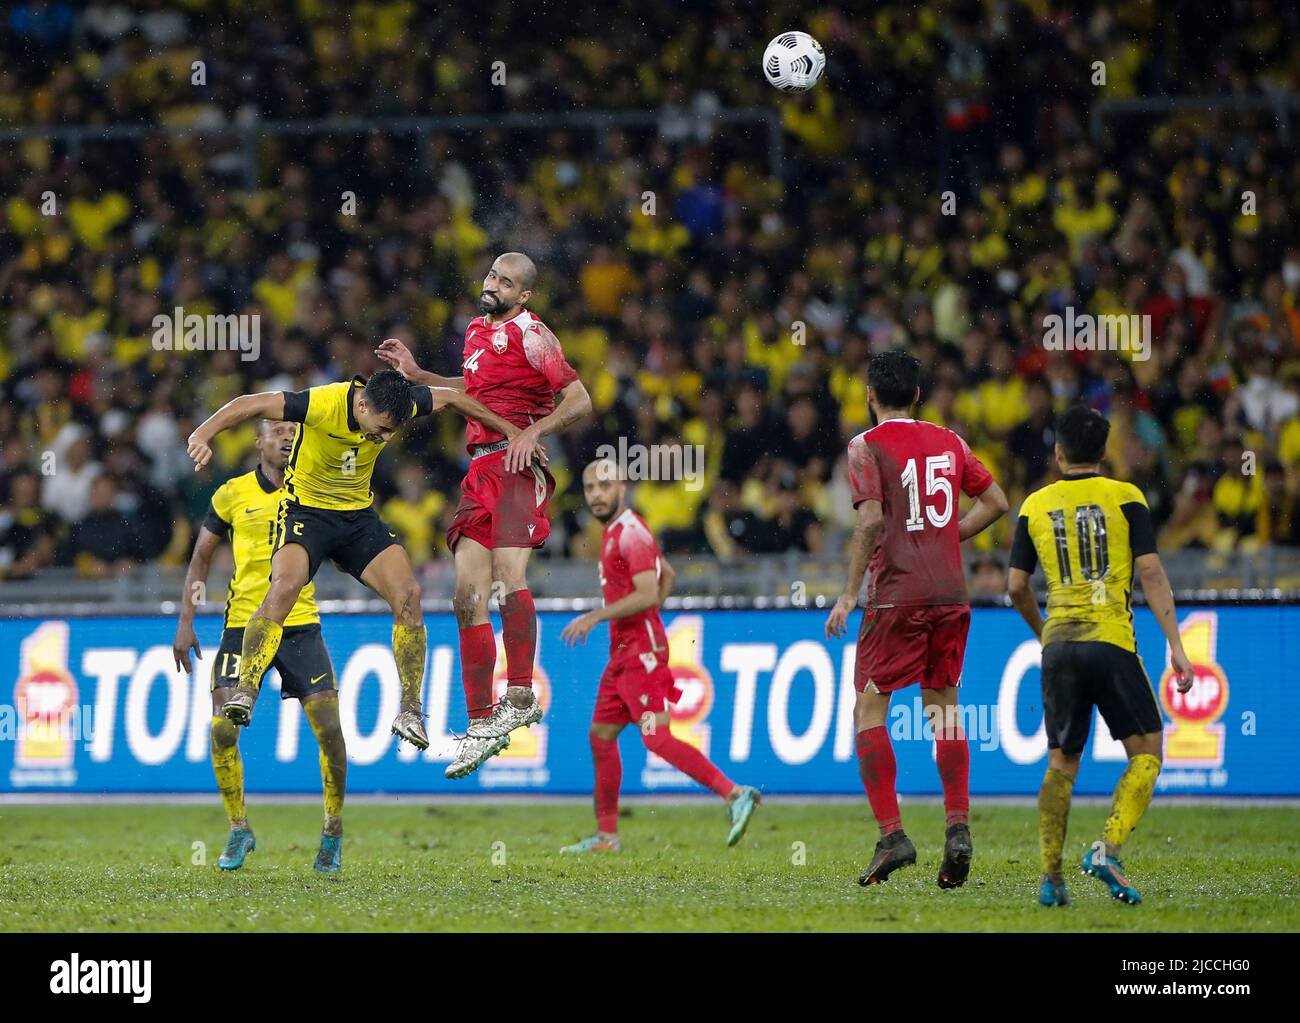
<point x="246" y="509"/>
<point x="914" y="470"/>
<point x="1085" y="529"/>
<point x="332" y="461"/>
<point x="628" y="549"/>
<point x="515" y="369"/>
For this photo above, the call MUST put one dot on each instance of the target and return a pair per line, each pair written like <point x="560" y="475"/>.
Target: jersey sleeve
<point x="1023" y="554"/>
<point x="638" y="549"/>
<point x="296" y="404"/>
<point x="975" y="478"/>
<point x="543" y="352"/>
<point x="423" y="400"/>
<point x="1141" y="532"/>
<point x="309" y="407"/>
<point x="218" y="517"/>
<point x="864" y="473"/>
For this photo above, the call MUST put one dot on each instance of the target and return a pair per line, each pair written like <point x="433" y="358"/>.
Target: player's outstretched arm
<point x="1160" y="598"/>
<point x="1024" y="600"/>
<point x="575" y="403"/>
<point x="866" y="534"/>
<point x="645" y="595"/>
<point x="395" y="354"/>
<point x="983" y="512"/>
<point x="196" y="578"/>
<point x="269" y="405"/>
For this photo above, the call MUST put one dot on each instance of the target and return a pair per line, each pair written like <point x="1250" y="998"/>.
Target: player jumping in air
<point x="636" y="686"/>
<point x="327" y="512"/>
<point x="1089" y="532"/>
<point x="904" y="477"/>
<point x="513" y="364"/>
<point x="245" y="510"/>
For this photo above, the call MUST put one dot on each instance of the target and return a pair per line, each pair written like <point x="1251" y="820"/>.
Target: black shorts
<point x="1078" y="676"/>
<point x="351" y="539"/>
<point x="302" y="661"/>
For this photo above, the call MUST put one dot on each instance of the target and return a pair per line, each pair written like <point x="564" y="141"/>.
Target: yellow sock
<point x="228" y="766"/>
<point x="1053" y="815"/>
<point x="324" y="718"/>
<point x="408" y="652"/>
<point x="1132" y="797"/>
<point x="261" y="642"/>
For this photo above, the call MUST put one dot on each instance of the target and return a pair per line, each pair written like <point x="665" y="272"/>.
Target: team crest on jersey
<point x="499" y="341"/>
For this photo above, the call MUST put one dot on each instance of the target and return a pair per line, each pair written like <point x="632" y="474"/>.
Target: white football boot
<point x="474" y="752"/>
<point x="506" y="717"/>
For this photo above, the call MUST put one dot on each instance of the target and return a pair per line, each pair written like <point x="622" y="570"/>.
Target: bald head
<point x="508" y="285"/>
<point x="518" y="267"/>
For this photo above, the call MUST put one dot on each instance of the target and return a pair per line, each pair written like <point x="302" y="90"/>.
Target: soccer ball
<point x="794" y="61"/>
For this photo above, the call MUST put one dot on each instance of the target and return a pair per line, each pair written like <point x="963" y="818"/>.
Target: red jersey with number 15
<point x="627" y="549"/>
<point x="514" y="368"/>
<point x="914" y="470"/>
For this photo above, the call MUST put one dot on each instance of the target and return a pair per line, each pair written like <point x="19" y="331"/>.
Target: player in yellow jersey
<point x="328" y="512"/>
<point x="246" y="510"/>
<point x="1089" y="532"/>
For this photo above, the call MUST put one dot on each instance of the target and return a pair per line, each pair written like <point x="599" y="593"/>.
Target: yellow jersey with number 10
<point x="1085" y="530"/>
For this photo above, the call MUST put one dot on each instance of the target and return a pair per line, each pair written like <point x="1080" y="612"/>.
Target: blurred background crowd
<point x="941" y="189"/>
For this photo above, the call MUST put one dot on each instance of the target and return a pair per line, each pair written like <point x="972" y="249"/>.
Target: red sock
<point x="953" y="757"/>
<point x="879" y="774"/>
<point x="519" y="634"/>
<point x="687" y="759"/>
<point x="609" y="777"/>
<point x="478" y="659"/>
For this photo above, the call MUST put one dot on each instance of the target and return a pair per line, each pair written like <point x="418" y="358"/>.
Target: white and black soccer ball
<point x="794" y="61"/>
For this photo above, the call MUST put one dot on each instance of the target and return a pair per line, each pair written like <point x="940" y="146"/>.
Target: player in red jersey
<point x="514" y="365"/>
<point x="637" y="685"/>
<point x="904" y="476"/>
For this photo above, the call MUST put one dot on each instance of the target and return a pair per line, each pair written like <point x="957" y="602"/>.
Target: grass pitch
<point x="494" y="867"/>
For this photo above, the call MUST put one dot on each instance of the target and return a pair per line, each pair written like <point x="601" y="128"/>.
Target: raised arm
<point x="471" y="408"/>
<point x="269" y="405"/>
<point x="396" y="354"/>
<point x="196" y="578"/>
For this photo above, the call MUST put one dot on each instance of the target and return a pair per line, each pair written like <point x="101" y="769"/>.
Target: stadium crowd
<point x="940" y="190"/>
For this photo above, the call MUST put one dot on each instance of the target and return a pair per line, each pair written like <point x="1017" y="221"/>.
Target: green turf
<point x="420" y="867"/>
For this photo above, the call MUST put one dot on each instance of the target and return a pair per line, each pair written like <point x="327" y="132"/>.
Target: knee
<point x="465" y="604"/>
<point x="225" y="734"/>
<point x="406" y="603"/>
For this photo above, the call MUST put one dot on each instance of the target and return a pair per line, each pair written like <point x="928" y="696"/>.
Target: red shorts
<point x="898" y="646"/>
<point x="635" y="681"/>
<point x="501" y="509"/>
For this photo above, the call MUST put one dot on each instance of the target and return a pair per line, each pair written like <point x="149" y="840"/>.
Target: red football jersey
<point x="912" y="468"/>
<point x="515" y="369"/>
<point x="629" y="548"/>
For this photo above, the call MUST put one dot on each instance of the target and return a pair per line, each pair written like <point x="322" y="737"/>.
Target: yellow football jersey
<point x="246" y="509"/>
<point x="1085" y="529"/>
<point x="332" y="462"/>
